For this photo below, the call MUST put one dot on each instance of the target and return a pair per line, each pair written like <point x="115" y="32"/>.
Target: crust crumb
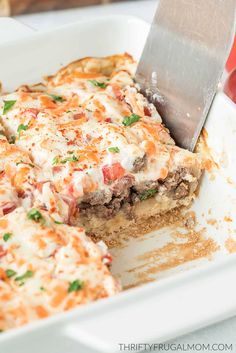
<point x="172" y="254"/>
<point x="229" y="181"/>
<point x="230" y="245"/>
<point x="143" y="226"/>
<point x="228" y="219"/>
<point x="212" y="221"/>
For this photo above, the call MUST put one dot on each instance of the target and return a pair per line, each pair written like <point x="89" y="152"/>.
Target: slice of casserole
<point x="102" y="146"/>
<point x="46" y="268"/>
<point x="20" y="183"/>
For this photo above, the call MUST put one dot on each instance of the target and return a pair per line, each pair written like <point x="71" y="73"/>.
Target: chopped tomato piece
<point x="57" y="169"/>
<point x="112" y="172"/>
<point x="147" y="111"/>
<point x="3" y="252"/>
<point x="78" y="116"/>
<point x="8" y="207"/>
<point x="107" y="259"/>
<point x="31" y="113"/>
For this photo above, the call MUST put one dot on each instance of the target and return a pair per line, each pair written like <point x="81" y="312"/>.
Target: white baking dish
<point x="183" y="298"/>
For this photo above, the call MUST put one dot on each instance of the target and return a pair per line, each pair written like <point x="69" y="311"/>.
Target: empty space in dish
<point x="173" y="248"/>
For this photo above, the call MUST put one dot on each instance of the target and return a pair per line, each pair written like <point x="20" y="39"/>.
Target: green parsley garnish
<point x="10" y="273"/>
<point x="12" y="140"/>
<point x="70" y="159"/>
<point x="21" y="161"/>
<point x="129" y="120"/>
<point x="75" y="286"/>
<point x="35" y="215"/>
<point x="26" y="275"/>
<point x="7" y="106"/>
<point x="7" y="236"/>
<point x="17" y="163"/>
<point x="55" y="160"/>
<point x="56" y="98"/>
<point x="73" y="158"/>
<point x="114" y="149"/>
<point x="42" y="289"/>
<point x="22" y="127"/>
<point x="57" y="222"/>
<point x="148" y="193"/>
<point x="98" y="84"/>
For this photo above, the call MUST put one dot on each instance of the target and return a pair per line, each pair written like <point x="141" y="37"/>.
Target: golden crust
<point x="136" y="227"/>
<point x="104" y="66"/>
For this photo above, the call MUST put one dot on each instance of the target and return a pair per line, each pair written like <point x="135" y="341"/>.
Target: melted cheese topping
<point x="75" y="130"/>
<point x="47" y="268"/>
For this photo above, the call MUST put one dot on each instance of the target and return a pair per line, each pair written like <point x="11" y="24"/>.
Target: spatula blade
<point x="183" y="61"/>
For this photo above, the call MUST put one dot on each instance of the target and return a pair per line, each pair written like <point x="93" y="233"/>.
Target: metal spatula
<point x="183" y="60"/>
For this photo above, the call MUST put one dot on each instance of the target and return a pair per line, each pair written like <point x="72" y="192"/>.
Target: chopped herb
<point x="20" y="162"/>
<point x="7" y="106"/>
<point x="42" y="289"/>
<point x="75" y="286"/>
<point x="35" y="215"/>
<point x="70" y="159"/>
<point x="17" y="163"/>
<point x="12" y="140"/>
<point x="74" y="159"/>
<point x="148" y="193"/>
<point x="10" y="273"/>
<point x="114" y="149"/>
<point x="57" y="222"/>
<point x="26" y="275"/>
<point x="55" y="160"/>
<point x="98" y="84"/>
<point x="129" y="120"/>
<point x="22" y="127"/>
<point x="7" y="236"/>
<point x="57" y="98"/>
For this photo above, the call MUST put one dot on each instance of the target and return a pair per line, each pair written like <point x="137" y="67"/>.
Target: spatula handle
<point x="230" y="85"/>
